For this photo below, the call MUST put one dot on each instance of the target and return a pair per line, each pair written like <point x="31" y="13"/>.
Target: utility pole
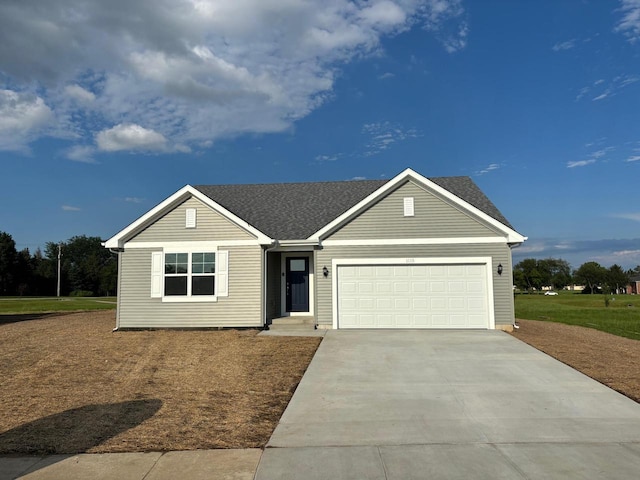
<point x="59" y="255"/>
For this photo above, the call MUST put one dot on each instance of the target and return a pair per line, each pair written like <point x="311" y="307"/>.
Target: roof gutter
<point x="299" y="245"/>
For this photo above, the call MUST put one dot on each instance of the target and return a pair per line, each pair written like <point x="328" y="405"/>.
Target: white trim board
<point x="488" y="261"/>
<point x="192" y="245"/>
<point x="413" y="241"/>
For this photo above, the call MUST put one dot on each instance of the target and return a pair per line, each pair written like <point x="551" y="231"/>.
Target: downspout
<point x="265" y="264"/>
<point x="118" y="252"/>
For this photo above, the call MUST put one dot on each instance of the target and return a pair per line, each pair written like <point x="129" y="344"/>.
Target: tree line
<point x="533" y="274"/>
<point x="86" y="268"/>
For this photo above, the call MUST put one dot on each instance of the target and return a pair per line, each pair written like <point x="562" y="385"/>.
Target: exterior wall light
<point x="499" y="269"/>
<point x="325" y="271"/>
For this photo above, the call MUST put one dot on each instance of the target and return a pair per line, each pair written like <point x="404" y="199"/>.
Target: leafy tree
<point x="616" y="278"/>
<point x="556" y="272"/>
<point x="43" y="274"/>
<point x="527" y="275"/>
<point x="591" y="274"/>
<point x="8" y="263"/>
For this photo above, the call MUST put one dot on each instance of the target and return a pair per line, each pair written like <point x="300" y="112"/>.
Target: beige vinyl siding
<point x="434" y="217"/>
<point x="500" y="253"/>
<point x="210" y="226"/>
<point x="242" y="308"/>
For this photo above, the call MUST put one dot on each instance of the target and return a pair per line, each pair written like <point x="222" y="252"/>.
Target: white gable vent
<point x="408" y="207"/>
<point x="190" y="218"/>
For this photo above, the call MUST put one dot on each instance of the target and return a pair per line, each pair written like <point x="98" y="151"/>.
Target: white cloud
<point x="79" y="94"/>
<point x="134" y="199"/>
<point x="567" y="45"/>
<point x="576" y="252"/>
<point x="386" y="75"/>
<point x="613" y="88"/>
<point x="633" y="158"/>
<point x="359" y="178"/>
<point x="327" y="158"/>
<point x="384" y="134"/>
<point x="130" y="137"/>
<point x="581" y="163"/>
<point x="582" y="92"/>
<point x="602" y="152"/>
<point x="69" y="208"/>
<point x="81" y="153"/>
<point x="23" y="116"/>
<point x="489" y="168"/>
<point x="628" y="216"/>
<point x="629" y="24"/>
<point x="194" y="71"/>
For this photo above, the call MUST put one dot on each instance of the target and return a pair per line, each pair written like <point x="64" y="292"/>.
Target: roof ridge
<point x="289" y="183"/>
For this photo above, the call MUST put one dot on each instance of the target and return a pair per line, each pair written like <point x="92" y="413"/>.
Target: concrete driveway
<point x="449" y="404"/>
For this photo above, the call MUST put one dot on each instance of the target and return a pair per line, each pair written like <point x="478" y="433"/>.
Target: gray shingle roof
<point x="294" y="211"/>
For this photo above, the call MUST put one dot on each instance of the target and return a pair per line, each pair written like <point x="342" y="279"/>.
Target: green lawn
<point x="621" y="317"/>
<point x="18" y="305"/>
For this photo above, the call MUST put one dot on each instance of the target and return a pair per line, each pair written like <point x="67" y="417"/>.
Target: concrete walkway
<point x="410" y="405"/>
<point x="449" y="404"/>
<point x="192" y="465"/>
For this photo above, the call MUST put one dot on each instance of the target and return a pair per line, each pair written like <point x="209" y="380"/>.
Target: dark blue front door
<point x="297" y="284"/>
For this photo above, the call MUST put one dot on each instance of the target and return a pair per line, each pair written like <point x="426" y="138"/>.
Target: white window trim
<point x="221" y="274"/>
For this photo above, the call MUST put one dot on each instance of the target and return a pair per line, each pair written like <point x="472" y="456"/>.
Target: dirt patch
<point x="69" y="385"/>
<point x="612" y="360"/>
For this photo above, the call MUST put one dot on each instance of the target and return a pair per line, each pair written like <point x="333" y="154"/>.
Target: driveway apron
<point x="393" y="404"/>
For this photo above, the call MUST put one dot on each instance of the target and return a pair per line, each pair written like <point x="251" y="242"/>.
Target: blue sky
<point x="107" y="108"/>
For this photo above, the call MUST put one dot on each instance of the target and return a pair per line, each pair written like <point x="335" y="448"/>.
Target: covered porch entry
<point x="290" y="298"/>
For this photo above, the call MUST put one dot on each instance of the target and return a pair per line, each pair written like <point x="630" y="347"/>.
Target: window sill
<point x="192" y="299"/>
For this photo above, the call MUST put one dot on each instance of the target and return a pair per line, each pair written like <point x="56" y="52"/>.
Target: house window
<point x="189" y="274"/>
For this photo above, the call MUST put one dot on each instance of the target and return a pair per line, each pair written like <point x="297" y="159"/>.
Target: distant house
<point x="634" y="285"/>
<point x="575" y="288"/>
<point x="410" y="252"/>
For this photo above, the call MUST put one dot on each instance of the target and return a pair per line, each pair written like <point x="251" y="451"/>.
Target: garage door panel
<point x="412" y="296"/>
<point x="384" y="303"/>
<point x="384" y="287"/>
<point x="438" y="303"/>
<point x="403" y="304"/>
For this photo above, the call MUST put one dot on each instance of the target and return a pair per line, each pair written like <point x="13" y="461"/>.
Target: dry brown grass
<point x="69" y="385"/>
<point x="612" y="360"/>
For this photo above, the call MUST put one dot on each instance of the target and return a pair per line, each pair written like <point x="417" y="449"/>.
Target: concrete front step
<point x="290" y="321"/>
<point x="292" y="327"/>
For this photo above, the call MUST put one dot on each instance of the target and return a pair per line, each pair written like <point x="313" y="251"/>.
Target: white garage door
<point x="412" y="296"/>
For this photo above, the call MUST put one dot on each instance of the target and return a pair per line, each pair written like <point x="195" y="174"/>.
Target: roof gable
<point x="460" y="191"/>
<point x="186" y="192"/>
<point x="301" y="211"/>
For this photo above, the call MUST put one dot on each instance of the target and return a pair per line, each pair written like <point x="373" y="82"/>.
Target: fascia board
<point x="118" y="240"/>
<point x="409" y="174"/>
